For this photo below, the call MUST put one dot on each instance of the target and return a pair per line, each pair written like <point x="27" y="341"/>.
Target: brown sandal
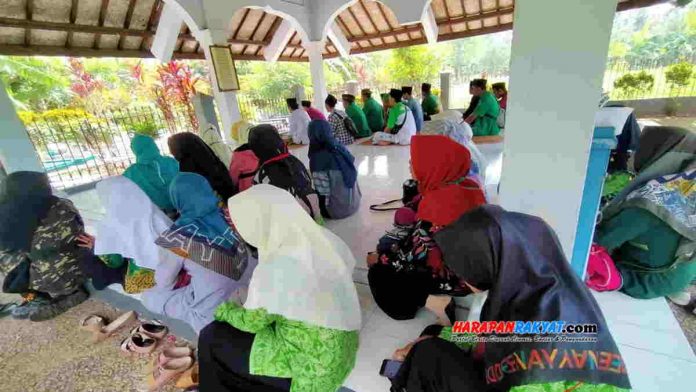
<point x="113" y="327"/>
<point x="138" y="344"/>
<point x="162" y="375"/>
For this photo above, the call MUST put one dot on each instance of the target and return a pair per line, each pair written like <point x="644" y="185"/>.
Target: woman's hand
<point x="85" y="240"/>
<point x="402" y="353"/>
<point x="372" y="259"/>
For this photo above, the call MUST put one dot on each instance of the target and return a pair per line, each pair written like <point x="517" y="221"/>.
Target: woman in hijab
<point x="518" y="259"/>
<point x="244" y="162"/>
<point x="280" y="169"/>
<point x="649" y="226"/>
<point x="213" y="254"/>
<point x="39" y="255"/>
<point x="407" y="272"/>
<point x="333" y="171"/>
<point x="195" y="156"/>
<point x="298" y="329"/>
<point x="152" y="172"/>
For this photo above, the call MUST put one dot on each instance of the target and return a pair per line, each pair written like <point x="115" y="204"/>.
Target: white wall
<point x="559" y="52"/>
<point x="16" y="151"/>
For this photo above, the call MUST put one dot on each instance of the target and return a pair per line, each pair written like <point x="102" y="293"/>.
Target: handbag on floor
<point x="409" y="192"/>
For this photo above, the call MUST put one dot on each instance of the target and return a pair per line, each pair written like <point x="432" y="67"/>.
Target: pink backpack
<point x="602" y="274"/>
<point x="243" y="167"/>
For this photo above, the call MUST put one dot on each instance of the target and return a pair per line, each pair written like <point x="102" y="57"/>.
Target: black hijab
<point x="656" y="141"/>
<point x="284" y="171"/>
<point x="25" y="199"/>
<point x="518" y="258"/>
<point x="266" y="142"/>
<point x="195" y="156"/>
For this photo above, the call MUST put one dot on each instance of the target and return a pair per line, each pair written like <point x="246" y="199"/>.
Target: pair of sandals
<point x="142" y="339"/>
<point x="175" y="363"/>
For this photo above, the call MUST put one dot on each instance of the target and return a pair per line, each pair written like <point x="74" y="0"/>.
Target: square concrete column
<point x="316" y="68"/>
<point x="17" y="152"/>
<point x="226" y="101"/>
<point x="445" y="88"/>
<point x="559" y="54"/>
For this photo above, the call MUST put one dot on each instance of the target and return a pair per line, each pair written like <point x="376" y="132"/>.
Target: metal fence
<point x="260" y="110"/>
<point x="661" y="87"/>
<point x="78" y="148"/>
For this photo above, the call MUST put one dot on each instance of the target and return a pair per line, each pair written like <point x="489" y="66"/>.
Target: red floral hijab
<point x="441" y="166"/>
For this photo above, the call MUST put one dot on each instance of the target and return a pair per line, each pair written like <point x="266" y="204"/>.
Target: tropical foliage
<point x="632" y="83"/>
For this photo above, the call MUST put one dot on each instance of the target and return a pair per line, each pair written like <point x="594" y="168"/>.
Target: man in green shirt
<point x="430" y="103"/>
<point x="484" y="119"/>
<point x="356" y="114"/>
<point x="373" y="111"/>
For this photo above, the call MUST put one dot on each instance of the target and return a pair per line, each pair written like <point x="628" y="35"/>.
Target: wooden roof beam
<point x="102" y="17"/>
<point x="126" y="21"/>
<point x="74" y="5"/>
<point x="475" y="17"/>
<point x="67" y="27"/>
<point x="404" y="30"/>
<point x="430" y="27"/>
<point x="45" y="50"/>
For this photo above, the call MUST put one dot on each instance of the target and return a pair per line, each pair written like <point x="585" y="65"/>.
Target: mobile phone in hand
<point x="390" y="368"/>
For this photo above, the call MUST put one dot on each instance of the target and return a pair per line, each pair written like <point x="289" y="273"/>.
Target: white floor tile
<point x="650" y="372"/>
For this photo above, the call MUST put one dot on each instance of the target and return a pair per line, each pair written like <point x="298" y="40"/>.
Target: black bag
<point x="350" y="125"/>
<point x="409" y="191"/>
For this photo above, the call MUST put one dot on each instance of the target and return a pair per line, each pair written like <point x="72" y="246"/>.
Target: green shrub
<point x="147" y="128"/>
<point x="633" y="83"/>
<point x="679" y="74"/>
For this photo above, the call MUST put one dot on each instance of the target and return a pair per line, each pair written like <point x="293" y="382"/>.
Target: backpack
<point x="349" y="124"/>
<point x="243" y="167"/>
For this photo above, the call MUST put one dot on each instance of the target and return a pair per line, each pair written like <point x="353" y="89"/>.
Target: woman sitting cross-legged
<point x="333" y="171"/>
<point x="649" y="226"/>
<point x="298" y="329"/>
<point x="407" y="271"/>
<point x="39" y="255"/>
<point x="218" y="262"/>
<point x="283" y="170"/>
<point x="518" y="259"/>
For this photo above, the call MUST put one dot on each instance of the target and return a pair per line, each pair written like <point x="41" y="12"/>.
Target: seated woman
<point x="152" y="172"/>
<point x="218" y="262"/>
<point x="195" y="156"/>
<point x="333" y="171"/>
<point x="39" y="256"/>
<point x="401" y="125"/>
<point x="298" y="329"/>
<point x="647" y="226"/>
<point x="518" y="259"/>
<point x="407" y="271"/>
<point x="280" y="169"/>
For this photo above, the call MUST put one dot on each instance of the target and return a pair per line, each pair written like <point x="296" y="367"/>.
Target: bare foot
<point x="437" y="305"/>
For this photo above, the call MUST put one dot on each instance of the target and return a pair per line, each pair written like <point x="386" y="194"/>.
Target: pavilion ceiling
<point x="126" y="28"/>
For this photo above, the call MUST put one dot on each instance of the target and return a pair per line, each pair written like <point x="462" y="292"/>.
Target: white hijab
<point x="132" y="222"/>
<point x="304" y="271"/>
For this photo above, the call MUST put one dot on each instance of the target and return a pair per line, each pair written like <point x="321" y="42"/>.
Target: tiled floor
<point x="656" y="352"/>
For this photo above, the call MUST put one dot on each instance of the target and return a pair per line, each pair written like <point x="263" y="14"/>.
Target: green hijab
<point x="152" y="172"/>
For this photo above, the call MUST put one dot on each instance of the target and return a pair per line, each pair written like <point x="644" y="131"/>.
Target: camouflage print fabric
<point x="54" y="256"/>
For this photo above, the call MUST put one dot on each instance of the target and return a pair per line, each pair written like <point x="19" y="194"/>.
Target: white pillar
<point x="316" y="68"/>
<point x="16" y="150"/>
<point x="226" y="101"/>
<point x="445" y="88"/>
<point x="429" y="24"/>
<point x="167" y="34"/>
<point x="280" y="39"/>
<point x="547" y="139"/>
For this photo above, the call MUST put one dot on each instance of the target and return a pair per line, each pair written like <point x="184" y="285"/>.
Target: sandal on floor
<point x="173" y="353"/>
<point x="189" y="379"/>
<point x="153" y="329"/>
<point x="114" y="326"/>
<point x="93" y="323"/>
<point x="138" y="344"/>
<point x="162" y="375"/>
